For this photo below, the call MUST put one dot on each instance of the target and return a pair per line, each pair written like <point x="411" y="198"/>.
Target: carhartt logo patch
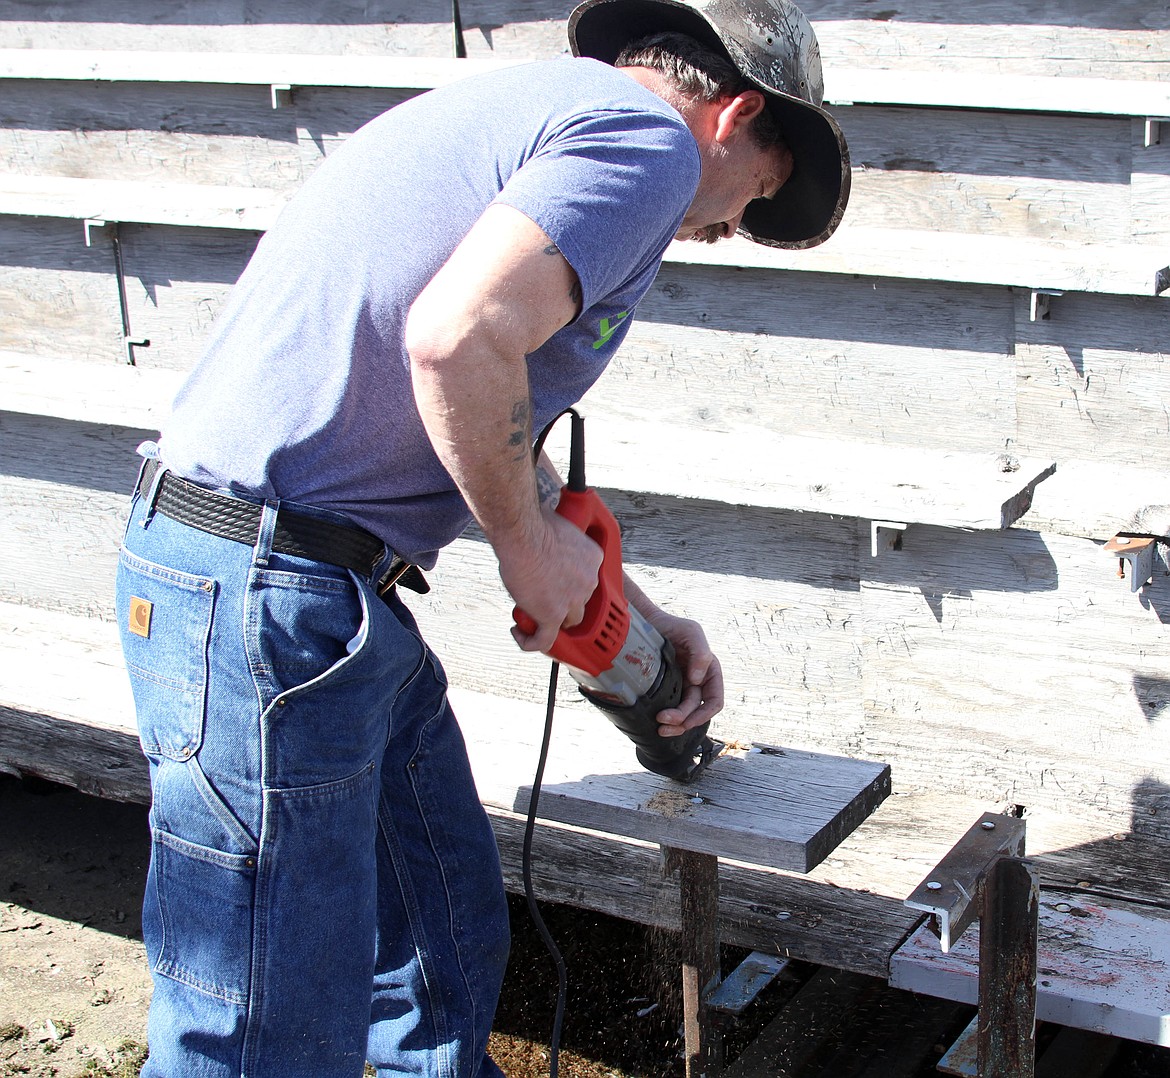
<point x="609" y="328"/>
<point x="140" y="611"/>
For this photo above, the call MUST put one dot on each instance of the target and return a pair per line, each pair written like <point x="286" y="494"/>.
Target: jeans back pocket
<point x="165" y="621"/>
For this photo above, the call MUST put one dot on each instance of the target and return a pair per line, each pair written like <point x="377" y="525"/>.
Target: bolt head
<point x="934" y="885"/>
<point x="988" y="825"/>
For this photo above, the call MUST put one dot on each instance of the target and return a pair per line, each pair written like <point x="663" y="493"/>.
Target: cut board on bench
<point x="1103" y="967"/>
<point x="778" y="807"/>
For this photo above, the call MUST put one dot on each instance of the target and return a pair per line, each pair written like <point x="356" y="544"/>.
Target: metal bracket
<point x="91" y="225"/>
<point x="129" y="342"/>
<point x="1040" y="308"/>
<point x="281" y="95"/>
<point x="951" y="893"/>
<point x="1153" y="132"/>
<point x="985" y="876"/>
<point x="734" y="994"/>
<point x="885" y="535"/>
<point x="1139" y="553"/>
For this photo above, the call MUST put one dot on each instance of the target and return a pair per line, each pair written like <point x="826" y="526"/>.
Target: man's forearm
<point x="475" y="407"/>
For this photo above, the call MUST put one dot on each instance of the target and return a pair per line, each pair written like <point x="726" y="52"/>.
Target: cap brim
<point x="809" y="207"/>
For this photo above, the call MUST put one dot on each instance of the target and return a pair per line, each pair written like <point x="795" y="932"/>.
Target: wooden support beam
<point x="699" y="892"/>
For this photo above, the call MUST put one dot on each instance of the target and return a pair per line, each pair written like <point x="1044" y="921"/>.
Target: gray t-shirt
<point x="304" y="390"/>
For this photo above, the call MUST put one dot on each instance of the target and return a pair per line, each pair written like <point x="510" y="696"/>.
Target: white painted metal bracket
<point x="1153" y="134"/>
<point x="885" y="535"/>
<point x="1040" y="308"/>
<point x="281" y="95"/>
<point x="90" y="225"/>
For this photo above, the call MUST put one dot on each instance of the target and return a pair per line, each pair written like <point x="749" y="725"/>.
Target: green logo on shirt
<point x="609" y="327"/>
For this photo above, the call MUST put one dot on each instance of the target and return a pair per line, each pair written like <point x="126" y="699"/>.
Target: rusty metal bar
<point x="951" y="893"/>
<point x="1007" y="970"/>
<point x="699" y="888"/>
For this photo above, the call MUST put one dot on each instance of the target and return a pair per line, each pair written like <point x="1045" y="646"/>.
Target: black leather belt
<point x="296" y="534"/>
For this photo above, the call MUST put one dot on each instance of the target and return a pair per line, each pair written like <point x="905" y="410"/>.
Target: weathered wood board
<point x="1094" y="379"/>
<point x="408" y="27"/>
<point x="926" y="35"/>
<point x="61" y="297"/>
<point x="766" y="805"/>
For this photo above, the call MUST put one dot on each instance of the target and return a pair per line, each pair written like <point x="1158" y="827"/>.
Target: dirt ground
<point x="74" y="989"/>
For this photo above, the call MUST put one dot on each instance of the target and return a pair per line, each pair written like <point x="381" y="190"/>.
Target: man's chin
<point x="710" y="234"/>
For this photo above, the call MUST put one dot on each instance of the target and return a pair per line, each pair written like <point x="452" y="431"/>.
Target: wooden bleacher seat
<point x="846" y="84"/>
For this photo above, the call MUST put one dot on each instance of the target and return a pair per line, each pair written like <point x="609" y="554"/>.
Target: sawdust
<point x="670" y="803"/>
<point x="739" y="750"/>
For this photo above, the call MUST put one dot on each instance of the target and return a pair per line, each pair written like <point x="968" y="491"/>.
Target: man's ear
<point x="737" y="112"/>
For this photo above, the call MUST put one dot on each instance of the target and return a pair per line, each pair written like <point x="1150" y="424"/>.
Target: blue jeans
<point x="324" y="884"/>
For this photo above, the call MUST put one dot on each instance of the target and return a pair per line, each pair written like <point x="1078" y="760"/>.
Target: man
<point x="324" y="885"/>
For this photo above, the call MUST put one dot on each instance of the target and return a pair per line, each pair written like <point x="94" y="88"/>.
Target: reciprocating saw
<point x="620" y="662"/>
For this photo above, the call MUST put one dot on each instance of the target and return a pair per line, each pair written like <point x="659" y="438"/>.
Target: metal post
<point x="1007" y="970"/>
<point x="699" y="885"/>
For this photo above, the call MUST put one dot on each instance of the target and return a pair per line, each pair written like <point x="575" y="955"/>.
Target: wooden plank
<point x="203" y="205"/>
<point x="1095" y="499"/>
<point x="875" y="252"/>
<point x="71" y="482"/>
<point x="1102" y="967"/>
<point x="870" y="482"/>
<point x="380" y="27"/>
<point x="1042" y="177"/>
<point x="846" y="84"/>
<point x="1017" y="669"/>
<point x="60" y="296"/>
<point x="244" y="69"/>
<point x="75" y="389"/>
<point x="783" y="808"/>
<point x="1150" y="184"/>
<point x="1093" y="380"/>
<point x="1131" y="270"/>
<point x="716" y="348"/>
<point x="999" y="41"/>
<point x="153" y="134"/>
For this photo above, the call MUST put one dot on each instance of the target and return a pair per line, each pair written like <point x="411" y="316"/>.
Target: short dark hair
<point x="699" y="73"/>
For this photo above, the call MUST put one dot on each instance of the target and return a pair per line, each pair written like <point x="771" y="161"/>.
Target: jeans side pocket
<point x="165" y="621"/>
<point x="204" y="898"/>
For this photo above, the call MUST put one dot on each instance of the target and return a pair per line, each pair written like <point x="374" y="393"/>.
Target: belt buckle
<point x="397" y="568"/>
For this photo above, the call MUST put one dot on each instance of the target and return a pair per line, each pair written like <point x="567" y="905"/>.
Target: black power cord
<point x="576" y="465"/>
<point x="526" y="869"/>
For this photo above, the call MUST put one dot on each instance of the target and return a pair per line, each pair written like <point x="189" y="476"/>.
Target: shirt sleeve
<point x="610" y="189"/>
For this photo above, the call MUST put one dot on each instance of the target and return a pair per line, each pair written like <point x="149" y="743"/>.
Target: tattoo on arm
<point x="548" y="488"/>
<point x="521" y="436"/>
